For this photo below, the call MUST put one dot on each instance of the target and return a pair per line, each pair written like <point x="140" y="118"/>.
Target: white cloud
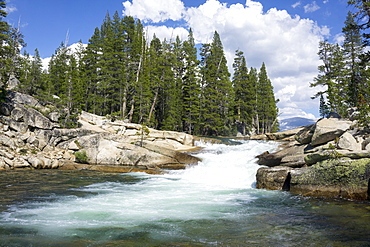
<point x="312" y="7"/>
<point x="290" y="112"/>
<point x="287" y="44"/>
<point x="45" y="63"/>
<point x="155" y="11"/>
<point x="168" y="33"/>
<point x="297" y="4"/>
<point x="75" y="47"/>
<point x="325" y="1"/>
<point x="339" y="38"/>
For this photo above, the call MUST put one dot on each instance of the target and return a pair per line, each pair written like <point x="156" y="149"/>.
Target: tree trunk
<point x="131" y="113"/>
<point x="153" y="105"/>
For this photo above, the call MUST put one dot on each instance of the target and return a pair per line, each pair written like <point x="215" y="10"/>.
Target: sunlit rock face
<point x="328" y="159"/>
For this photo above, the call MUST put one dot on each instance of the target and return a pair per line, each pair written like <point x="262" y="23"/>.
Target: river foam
<point x="204" y="191"/>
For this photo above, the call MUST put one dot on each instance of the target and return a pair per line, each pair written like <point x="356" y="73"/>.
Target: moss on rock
<point x="341" y="177"/>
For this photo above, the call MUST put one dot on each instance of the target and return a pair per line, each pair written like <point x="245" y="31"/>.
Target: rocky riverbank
<point x="328" y="159"/>
<point x="31" y="138"/>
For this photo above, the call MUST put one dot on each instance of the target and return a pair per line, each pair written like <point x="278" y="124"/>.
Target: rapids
<point x="211" y="204"/>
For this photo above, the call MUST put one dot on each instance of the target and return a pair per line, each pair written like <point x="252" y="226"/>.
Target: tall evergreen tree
<point x="173" y="107"/>
<point x="217" y="89"/>
<point x="5" y="49"/>
<point x="266" y="107"/>
<point x="253" y="78"/>
<point x="90" y="67"/>
<point x="353" y="48"/>
<point x="244" y="93"/>
<point x="191" y="90"/>
<point x="332" y="77"/>
<point x="30" y="73"/>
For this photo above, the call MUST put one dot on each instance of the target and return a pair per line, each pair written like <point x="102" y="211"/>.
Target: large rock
<point x="333" y="178"/>
<point x="313" y="158"/>
<point x="13" y="82"/>
<point x="329" y="129"/>
<point x="108" y="149"/>
<point x="275" y="159"/>
<point x="304" y="136"/>
<point x="275" y="178"/>
<point x="347" y="141"/>
<point x="32" y="118"/>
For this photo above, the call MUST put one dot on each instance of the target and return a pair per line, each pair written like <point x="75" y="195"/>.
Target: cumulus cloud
<point x="155" y="11"/>
<point x="287" y="44"/>
<point x="164" y="32"/>
<point x="312" y="7"/>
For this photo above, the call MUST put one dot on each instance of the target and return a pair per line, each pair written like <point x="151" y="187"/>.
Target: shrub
<point x="81" y="157"/>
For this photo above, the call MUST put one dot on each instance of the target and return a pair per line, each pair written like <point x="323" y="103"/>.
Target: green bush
<point x="81" y="157"/>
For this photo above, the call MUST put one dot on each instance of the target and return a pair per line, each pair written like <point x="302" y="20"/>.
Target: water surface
<point x="211" y="204"/>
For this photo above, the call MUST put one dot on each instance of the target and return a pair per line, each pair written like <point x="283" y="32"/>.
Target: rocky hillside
<point x="330" y="158"/>
<point x="30" y="137"/>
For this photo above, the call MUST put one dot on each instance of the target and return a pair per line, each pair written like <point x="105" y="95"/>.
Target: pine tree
<point x="324" y="109"/>
<point x="191" y="90"/>
<point x="331" y="76"/>
<point x="244" y="93"/>
<point x="90" y="68"/>
<point x="5" y="50"/>
<point x="217" y="89"/>
<point x="353" y="47"/>
<point x="266" y="107"/>
<point x="253" y="78"/>
<point x="155" y="76"/>
<point x="173" y="105"/>
<point x="30" y="73"/>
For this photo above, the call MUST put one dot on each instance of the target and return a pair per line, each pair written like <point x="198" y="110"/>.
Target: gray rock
<point x="342" y="178"/>
<point x="20" y="163"/>
<point x="329" y="129"/>
<point x="274" y="178"/>
<point x="6" y="108"/>
<point x="294" y="161"/>
<point x="6" y="141"/>
<point x="54" y="116"/>
<point x="13" y="82"/>
<point x="275" y="159"/>
<point x="347" y="141"/>
<point x="304" y="136"/>
<point x="24" y="99"/>
<point x="35" y="162"/>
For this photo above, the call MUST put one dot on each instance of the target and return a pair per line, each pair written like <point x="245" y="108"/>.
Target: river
<point x="211" y="204"/>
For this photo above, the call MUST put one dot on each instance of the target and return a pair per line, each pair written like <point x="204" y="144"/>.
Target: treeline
<point x="161" y="84"/>
<point x="345" y="70"/>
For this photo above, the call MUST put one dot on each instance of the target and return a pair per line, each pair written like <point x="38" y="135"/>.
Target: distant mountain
<point x="294" y="122"/>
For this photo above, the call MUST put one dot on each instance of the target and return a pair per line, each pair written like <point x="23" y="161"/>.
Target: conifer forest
<point x="174" y="84"/>
<point x="164" y="84"/>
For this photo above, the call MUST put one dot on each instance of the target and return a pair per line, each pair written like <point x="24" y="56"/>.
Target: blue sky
<point x="282" y="33"/>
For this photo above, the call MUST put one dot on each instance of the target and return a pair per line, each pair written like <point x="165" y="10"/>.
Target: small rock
<point x="35" y="162"/>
